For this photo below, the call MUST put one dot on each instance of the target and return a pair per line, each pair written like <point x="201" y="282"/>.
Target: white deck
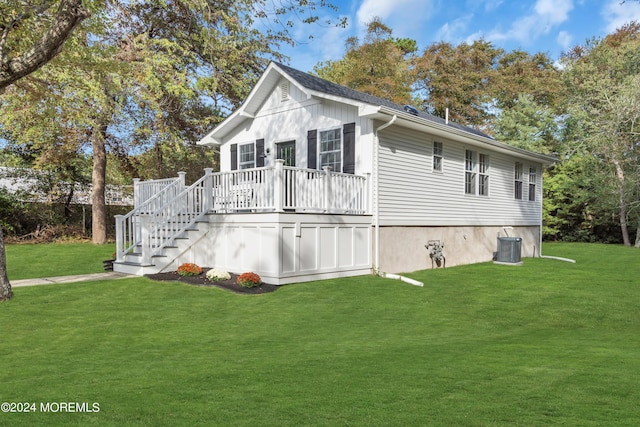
<point x="286" y="224"/>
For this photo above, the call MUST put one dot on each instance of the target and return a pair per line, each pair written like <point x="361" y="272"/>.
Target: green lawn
<point x="55" y="259"/>
<point x="549" y="343"/>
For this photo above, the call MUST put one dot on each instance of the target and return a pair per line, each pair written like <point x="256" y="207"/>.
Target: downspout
<point x="376" y="201"/>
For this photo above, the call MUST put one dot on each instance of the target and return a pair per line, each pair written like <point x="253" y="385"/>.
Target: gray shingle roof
<point x="320" y="85"/>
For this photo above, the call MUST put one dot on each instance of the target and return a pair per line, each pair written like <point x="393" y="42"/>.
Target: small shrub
<point x="249" y="280"/>
<point x="216" y="275"/>
<point x="188" y="269"/>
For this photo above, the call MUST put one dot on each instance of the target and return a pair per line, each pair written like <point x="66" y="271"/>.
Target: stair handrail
<point x="160" y="228"/>
<point x="128" y="230"/>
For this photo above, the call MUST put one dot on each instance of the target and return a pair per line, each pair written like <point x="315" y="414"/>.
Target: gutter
<point x="448" y="131"/>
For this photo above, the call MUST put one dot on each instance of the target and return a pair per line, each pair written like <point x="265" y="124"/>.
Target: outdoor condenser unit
<point x="509" y="250"/>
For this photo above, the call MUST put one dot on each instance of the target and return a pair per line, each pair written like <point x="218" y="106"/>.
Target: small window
<point x="483" y="169"/>
<point x="437" y="156"/>
<point x="517" y="187"/>
<point x="247" y="156"/>
<point x="533" y="178"/>
<point x="470" y="172"/>
<point x="330" y="149"/>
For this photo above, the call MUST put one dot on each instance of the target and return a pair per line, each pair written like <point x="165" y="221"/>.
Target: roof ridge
<point x="313" y="82"/>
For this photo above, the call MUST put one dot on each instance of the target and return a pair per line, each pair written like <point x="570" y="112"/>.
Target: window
<point x="533" y="177"/>
<point x="437" y="156"/>
<point x="517" y="187"/>
<point x="483" y="166"/>
<point x="247" y="156"/>
<point x="470" y="172"/>
<point x="331" y="149"/>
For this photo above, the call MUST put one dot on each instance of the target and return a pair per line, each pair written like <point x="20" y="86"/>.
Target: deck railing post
<point x="278" y="186"/>
<point x="136" y="192"/>
<point x="366" y="197"/>
<point x="145" y="228"/>
<point x="327" y="188"/>
<point x="120" y="237"/>
<point x="208" y="190"/>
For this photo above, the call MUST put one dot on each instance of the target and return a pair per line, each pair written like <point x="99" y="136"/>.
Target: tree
<point x="380" y="66"/>
<point x="529" y="125"/>
<point x="142" y="74"/>
<point x="18" y="61"/>
<point x="458" y="78"/>
<point x="519" y="72"/>
<point x="604" y="84"/>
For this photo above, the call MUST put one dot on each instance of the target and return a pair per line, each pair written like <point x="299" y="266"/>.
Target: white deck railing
<point x="128" y="229"/>
<point x="160" y="218"/>
<point x="146" y="190"/>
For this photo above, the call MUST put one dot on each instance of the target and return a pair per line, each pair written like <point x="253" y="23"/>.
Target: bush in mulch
<point x="201" y="280"/>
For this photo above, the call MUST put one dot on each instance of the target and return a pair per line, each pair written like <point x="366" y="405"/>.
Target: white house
<point x="318" y="180"/>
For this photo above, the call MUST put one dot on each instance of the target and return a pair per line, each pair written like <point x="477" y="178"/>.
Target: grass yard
<point x="30" y="261"/>
<point x="548" y="343"/>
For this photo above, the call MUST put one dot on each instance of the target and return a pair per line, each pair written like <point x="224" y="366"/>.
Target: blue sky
<point x="550" y="26"/>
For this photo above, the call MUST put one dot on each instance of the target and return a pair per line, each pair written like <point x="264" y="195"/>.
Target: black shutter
<point x="259" y="153"/>
<point x="234" y="157"/>
<point x="312" y="149"/>
<point x="349" y="153"/>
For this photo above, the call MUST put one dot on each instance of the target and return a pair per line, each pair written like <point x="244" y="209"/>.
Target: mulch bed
<point x="201" y="280"/>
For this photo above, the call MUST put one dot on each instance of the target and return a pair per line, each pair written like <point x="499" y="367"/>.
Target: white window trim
<point x="240" y="162"/>
<point x="477" y="174"/>
<point x="440" y="156"/>
<point x="534" y="184"/>
<point x="319" y="147"/>
<point x="518" y="179"/>
<point x="486" y="173"/>
<point x="473" y="171"/>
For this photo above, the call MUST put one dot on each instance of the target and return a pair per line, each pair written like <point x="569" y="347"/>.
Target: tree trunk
<point x="5" y="285"/>
<point x="623" y="205"/>
<point x="69" y="15"/>
<point x="98" y="178"/>
<point x="637" y="245"/>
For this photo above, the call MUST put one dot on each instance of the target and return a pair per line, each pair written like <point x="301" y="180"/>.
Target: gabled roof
<point x="324" y="86"/>
<point x="369" y="106"/>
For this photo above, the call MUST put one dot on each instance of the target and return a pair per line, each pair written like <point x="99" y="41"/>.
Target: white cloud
<point x="616" y="14"/>
<point x="491" y="5"/>
<point x="554" y="12"/>
<point x="404" y="17"/>
<point x="545" y="15"/>
<point x="565" y="40"/>
<point x="450" y="31"/>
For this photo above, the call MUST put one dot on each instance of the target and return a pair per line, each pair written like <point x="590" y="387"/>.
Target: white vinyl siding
<point x="411" y="194"/>
<point x="301" y="114"/>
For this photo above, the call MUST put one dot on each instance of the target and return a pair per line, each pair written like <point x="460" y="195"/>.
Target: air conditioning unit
<point x="509" y="250"/>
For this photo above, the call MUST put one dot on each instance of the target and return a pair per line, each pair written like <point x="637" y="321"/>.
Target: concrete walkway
<point x="109" y="275"/>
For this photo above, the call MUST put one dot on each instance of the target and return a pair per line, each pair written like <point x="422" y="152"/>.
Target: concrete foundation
<point x="402" y="249"/>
